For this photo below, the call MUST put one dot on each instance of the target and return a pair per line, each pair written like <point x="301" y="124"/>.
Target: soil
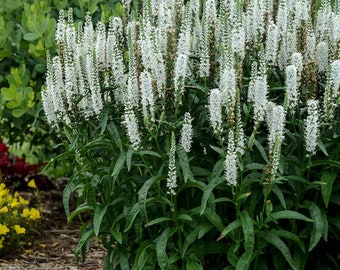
<point x="52" y="245"/>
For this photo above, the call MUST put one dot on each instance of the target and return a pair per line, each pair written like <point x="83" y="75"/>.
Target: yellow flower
<point x="32" y="184"/>
<point x="23" y="201"/>
<point x="3" y="229"/>
<point x="34" y="214"/>
<point x="4" y="209"/>
<point x="25" y="213"/>
<point x="15" y="203"/>
<point x="18" y="229"/>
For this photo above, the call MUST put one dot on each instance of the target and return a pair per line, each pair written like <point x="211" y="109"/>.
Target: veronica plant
<point x="203" y="133"/>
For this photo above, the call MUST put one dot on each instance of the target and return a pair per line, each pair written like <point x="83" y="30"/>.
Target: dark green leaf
<point x="184" y="162"/>
<point x="131" y="216"/>
<point x="129" y="158"/>
<point x="290" y="236"/>
<point x="232" y="226"/>
<point x="277" y="191"/>
<point x="280" y="245"/>
<point x="158" y="220"/>
<point x="208" y="190"/>
<point x="116" y="234"/>
<point x="161" y="244"/>
<point x="289" y="214"/>
<point x="326" y="190"/>
<point x="318" y="225"/>
<point x="119" y="164"/>
<point x="244" y="261"/>
<point x="143" y="193"/>
<point x="113" y="131"/>
<point x="248" y="231"/>
<point x="98" y="215"/>
<point x="141" y="254"/>
<point x="190" y="238"/>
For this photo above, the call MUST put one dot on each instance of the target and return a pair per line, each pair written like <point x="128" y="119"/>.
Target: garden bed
<point x="53" y="243"/>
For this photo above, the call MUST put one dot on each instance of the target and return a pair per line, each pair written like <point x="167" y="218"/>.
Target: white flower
<point x="131" y="125"/>
<point x="186" y="133"/>
<point x="275" y="122"/>
<point x="335" y="74"/>
<point x="100" y="46"/>
<point x="147" y="95"/>
<point x="230" y="163"/>
<point x="238" y="37"/>
<point x="228" y="88"/>
<point x="321" y="56"/>
<point x="180" y="75"/>
<point x="292" y="95"/>
<point x="171" y="181"/>
<point x="272" y="43"/>
<point x="215" y="109"/>
<point x="312" y="126"/>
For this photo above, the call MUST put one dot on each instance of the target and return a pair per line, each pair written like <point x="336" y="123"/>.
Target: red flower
<point x="3" y="148"/>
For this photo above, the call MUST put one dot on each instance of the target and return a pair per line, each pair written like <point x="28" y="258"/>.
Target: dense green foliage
<point x="280" y="215"/>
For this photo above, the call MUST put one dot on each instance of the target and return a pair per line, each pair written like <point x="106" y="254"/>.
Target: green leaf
<point x="277" y="191"/>
<point x="280" y="245"/>
<point x="232" y="226"/>
<point x="193" y="263"/>
<point x="119" y="164"/>
<point x="116" y="234"/>
<point x="18" y="112"/>
<point x="290" y="236"/>
<point x="131" y="216"/>
<point x="261" y="150"/>
<point x="244" y="261"/>
<point x="149" y="153"/>
<point x="98" y="215"/>
<point x="243" y="196"/>
<point x="221" y="151"/>
<point x="157" y="221"/>
<point x="161" y="243"/>
<point x="31" y="36"/>
<point x="322" y="147"/>
<point x="184" y="217"/>
<point x="143" y="193"/>
<point x="289" y="214"/>
<point x="248" y="231"/>
<point x="326" y="190"/>
<point x="129" y="154"/>
<point x="190" y="238"/>
<point x="141" y="254"/>
<point x="203" y="229"/>
<point x="80" y="209"/>
<point x="318" y="225"/>
<point x="114" y="133"/>
<point x="85" y="237"/>
<point x="208" y="190"/>
<point x="184" y="162"/>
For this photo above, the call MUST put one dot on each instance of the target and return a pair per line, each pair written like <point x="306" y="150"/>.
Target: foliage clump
<point x="204" y="134"/>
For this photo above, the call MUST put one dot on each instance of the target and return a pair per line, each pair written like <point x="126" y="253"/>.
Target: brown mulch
<point x="53" y="243"/>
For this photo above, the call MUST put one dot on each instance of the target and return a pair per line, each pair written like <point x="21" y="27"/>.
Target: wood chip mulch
<point x="52" y="245"/>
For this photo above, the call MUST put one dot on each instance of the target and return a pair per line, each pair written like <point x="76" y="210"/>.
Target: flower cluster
<point x="12" y="166"/>
<point x="16" y="218"/>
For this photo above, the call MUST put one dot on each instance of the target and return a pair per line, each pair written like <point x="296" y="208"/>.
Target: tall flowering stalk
<point x="276" y="122"/>
<point x="171" y="181"/>
<point x="312" y="126"/>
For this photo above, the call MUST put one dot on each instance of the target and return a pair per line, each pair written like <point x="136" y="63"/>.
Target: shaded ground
<point x="53" y="246"/>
